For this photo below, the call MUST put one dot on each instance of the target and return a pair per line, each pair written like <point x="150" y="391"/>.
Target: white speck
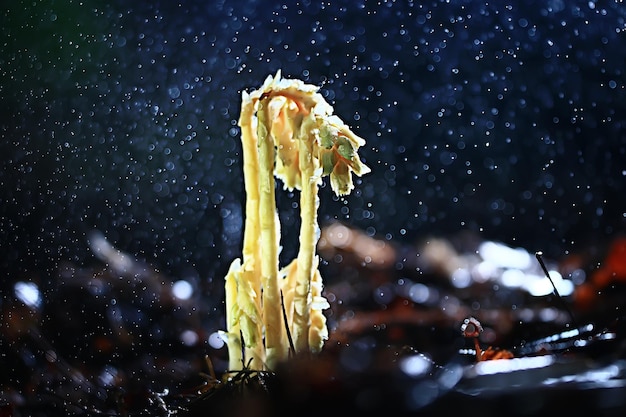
<point x="182" y="290"/>
<point x="28" y="293"/>
<point x="189" y="337"/>
<point x="174" y="92"/>
<point x="415" y="365"/>
<point x="216" y="341"/>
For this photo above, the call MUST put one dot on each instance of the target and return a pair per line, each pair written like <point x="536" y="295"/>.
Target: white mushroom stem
<point x="231" y="336"/>
<point x="250" y="277"/>
<point x="275" y="348"/>
<point x="310" y="178"/>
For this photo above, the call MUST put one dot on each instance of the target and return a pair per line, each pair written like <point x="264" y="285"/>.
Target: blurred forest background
<point x="505" y="120"/>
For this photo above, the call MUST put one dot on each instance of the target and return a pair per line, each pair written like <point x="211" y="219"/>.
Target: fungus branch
<point x="287" y="130"/>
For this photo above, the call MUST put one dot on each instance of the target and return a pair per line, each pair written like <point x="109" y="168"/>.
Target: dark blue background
<point x="121" y="116"/>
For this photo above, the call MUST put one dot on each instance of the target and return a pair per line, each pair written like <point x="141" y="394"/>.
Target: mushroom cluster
<point x="288" y="130"/>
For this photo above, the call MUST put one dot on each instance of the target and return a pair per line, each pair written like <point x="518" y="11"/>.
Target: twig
<point x="539" y="255"/>
<point x="292" y="348"/>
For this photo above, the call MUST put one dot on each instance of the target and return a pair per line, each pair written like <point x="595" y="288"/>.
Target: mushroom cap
<point x="298" y="112"/>
<point x="471" y="327"/>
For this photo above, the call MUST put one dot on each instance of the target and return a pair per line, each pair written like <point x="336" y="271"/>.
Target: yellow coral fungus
<point x="289" y="131"/>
